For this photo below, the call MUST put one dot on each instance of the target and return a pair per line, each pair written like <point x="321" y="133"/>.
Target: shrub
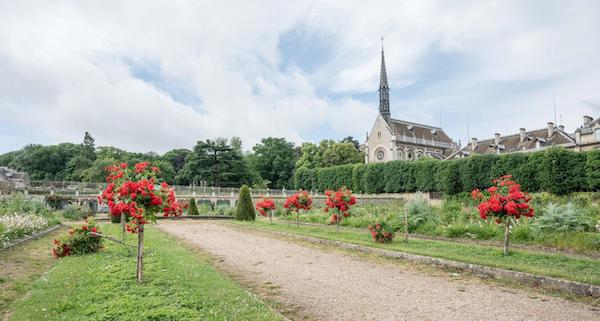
<point x="564" y="218"/>
<point x="381" y="233"/>
<point x="79" y="241"/>
<point x="193" y="209"/>
<point x="19" y="225"/>
<point x="420" y="214"/>
<point x="18" y="203"/>
<point x="75" y="212"/>
<point x="57" y="202"/>
<point x="245" y="209"/>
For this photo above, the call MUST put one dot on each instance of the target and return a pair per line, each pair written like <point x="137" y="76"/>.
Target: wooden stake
<point x="506" y="237"/>
<point x="405" y="225"/>
<point x="140" y="255"/>
<point x="123" y="225"/>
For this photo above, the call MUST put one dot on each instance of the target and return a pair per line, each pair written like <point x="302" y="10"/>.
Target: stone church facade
<point x="392" y="139"/>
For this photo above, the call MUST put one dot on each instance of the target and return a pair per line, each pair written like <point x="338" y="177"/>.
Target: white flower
<point x="19" y="225"/>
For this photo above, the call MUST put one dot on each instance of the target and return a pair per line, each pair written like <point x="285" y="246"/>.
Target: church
<point x="392" y="139"/>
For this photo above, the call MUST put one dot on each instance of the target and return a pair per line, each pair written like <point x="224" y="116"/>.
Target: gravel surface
<point x="330" y="285"/>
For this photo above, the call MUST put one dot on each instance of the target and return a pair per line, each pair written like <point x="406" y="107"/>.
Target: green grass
<point x="554" y="265"/>
<point x="178" y="285"/>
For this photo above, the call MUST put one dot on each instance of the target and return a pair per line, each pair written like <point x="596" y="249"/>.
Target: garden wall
<point x="554" y="170"/>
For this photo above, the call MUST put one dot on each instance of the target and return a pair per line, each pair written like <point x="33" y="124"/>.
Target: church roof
<point x="512" y="143"/>
<point x="419" y="133"/>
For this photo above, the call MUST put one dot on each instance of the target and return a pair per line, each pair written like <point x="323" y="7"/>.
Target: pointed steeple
<point x="384" y="89"/>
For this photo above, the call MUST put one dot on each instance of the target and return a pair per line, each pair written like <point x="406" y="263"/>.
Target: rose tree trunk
<point x="140" y="256"/>
<point x="506" y="237"/>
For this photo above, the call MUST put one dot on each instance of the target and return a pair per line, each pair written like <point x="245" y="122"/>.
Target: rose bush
<point x="505" y="203"/>
<point x="339" y="202"/>
<point x="297" y="202"/>
<point x="265" y="207"/>
<point x="136" y="193"/>
<point x="80" y="240"/>
<point x="381" y="233"/>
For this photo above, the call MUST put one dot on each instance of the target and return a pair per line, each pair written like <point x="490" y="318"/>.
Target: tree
<point x="216" y="162"/>
<point x="350" y="139"/>
<point x="244" y="209"/>
<point x="329" y="153"/>
<point x="275" y="161"/>
<point x="177" y="158"/>
<point x="193" y="209"/>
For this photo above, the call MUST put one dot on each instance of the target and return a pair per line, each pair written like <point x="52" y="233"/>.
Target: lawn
<point x="539" y="263"/>
<point x="178" y="285"/>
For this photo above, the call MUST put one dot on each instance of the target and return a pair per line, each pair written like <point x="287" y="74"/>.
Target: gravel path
<point x="330" y="285"/>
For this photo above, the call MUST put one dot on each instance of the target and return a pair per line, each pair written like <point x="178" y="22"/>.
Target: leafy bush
<point x="245" y="208"/>
<point x="420" y="214"/>
<point x="57" y="202"/>
<point x="79" y="240"/>
<point x="76" y="212"/>
<point x="18" y="203"/>
<point x="193" y="209"/>
<point x="564" y="218"/>
<point x="381" y="232"/>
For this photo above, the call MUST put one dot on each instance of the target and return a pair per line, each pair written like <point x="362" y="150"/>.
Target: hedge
<point x="555" y="170"/>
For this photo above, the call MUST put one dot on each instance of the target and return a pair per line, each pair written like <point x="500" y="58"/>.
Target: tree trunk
<point x="405" y="226"/>
<point x="297" y="218"/>
<point x="140" y="256"/>
<point x="270" y="217"/>
<point x="123" y="226"/>
<point x="337" y="223"/>
<point x="506" y="237"/>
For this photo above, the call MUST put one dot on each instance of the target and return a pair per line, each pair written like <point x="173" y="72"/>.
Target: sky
<point x="158" y="75"/>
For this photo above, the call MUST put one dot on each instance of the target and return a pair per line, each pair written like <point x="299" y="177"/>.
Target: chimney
<point x="473" y="143"/>
<point x="550" y="129"/>
<point x="497" y="139"/>
<point x="578" y="136"/>
<point x="523" y="134"/>
<point x="587" y="120"/>
<point x="562" y="128"/>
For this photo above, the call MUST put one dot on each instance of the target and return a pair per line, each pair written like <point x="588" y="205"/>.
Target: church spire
<point x="384" y="89"/>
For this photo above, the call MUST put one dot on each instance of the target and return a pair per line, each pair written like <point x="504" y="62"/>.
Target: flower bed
<point x="19" y="225"/>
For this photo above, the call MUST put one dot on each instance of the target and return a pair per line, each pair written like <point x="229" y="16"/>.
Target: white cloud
<point x="67" y="67"/>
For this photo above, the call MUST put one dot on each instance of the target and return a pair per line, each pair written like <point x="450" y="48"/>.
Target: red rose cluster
<point x="339" y="200"/>
<point x="135" y="192"/>
<point x="80" y="240"/>
<point x="381" y="233"/>
<point x="503" y="200"/>
<point x="265" y="206"/>
<point x="299" y="201"/>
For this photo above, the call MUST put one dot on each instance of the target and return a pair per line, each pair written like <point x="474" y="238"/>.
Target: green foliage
<point x="75" y="212"/>
<point x="592" y="168"/>
<point x="216" y="162"/>
<point x="555" y="170"/>
<point x="193" y="209"/>
<point x="179" y="286"/>
<point x="565" y="218"/>
<point x="245" y="208"/>
<point x="17" y="203"/>
<point x="330" y="153"/>
<point x="57" y="201"/>
<point x="420" y="215"/>
<point x="275" y="161"/>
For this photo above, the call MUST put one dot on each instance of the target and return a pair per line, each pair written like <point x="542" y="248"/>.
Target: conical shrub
<point x="245" y="209"/>
<point x="193" y="209"/>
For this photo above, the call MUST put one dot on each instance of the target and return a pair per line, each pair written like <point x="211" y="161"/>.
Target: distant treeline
<point x="219" y="162"/>
<point x="555" y="170"/>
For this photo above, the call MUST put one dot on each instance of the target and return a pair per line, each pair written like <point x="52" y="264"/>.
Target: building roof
<point x="513" y="144"/>
<point x="420" y="134"/>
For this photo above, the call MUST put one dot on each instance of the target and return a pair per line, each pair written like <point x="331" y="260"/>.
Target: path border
<point x="545" y="282"/>
<point x="32" y="237"/>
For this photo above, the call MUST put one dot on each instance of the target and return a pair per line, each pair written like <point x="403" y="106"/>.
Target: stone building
<point x="13" y="177"/>
<point x="587" y="137"/>
<point x="522" y="142"/>
<point x="393" y="139"/>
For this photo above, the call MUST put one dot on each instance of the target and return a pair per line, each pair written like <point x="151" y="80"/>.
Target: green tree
<point x="592" y="168"/>
<point x="177" y="158"/>
<point x="245" y="208"/>
<point x="275" y="161"/>
<point x="215" y="162"/>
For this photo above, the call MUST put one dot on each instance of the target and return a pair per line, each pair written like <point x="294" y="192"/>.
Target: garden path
<point x="331" y="285"/>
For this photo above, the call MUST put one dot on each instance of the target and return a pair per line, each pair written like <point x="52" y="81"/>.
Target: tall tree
<point x="176" y="157"/>
<point x="275" y="161"/>
<point x="329" y="153"/>
<point x="215" y="162"/>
